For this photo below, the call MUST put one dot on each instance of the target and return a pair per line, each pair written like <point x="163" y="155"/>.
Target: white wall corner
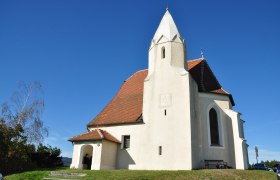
<point x="240" y="151"/>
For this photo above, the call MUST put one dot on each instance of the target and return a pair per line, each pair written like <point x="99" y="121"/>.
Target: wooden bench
<point x="215" y="164"/>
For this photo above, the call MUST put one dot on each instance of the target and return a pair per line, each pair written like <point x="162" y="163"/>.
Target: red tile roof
<point x="126" y="106"/>
<point x="194" y="62"/>
<point x="220" y="91"/>
<point x="94" y="135"/>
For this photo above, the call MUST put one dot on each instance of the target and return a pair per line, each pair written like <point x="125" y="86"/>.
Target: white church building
<point x="175" y="115"/>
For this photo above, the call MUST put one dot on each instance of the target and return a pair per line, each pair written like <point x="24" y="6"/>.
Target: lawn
<point x="139" y="174"/>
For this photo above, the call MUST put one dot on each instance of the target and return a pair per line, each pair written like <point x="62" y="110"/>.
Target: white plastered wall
<point x="224" y="152"/>
<point x="128" y="158"/>
<point x="241" y="155"/>
<point x="78" y="154"/>
<point x="195" y="125"/>
<point x="108" y="155"/>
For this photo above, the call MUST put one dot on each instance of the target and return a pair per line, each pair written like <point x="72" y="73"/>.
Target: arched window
<point x="163" y="52"/>
<point x="214" y="127"/>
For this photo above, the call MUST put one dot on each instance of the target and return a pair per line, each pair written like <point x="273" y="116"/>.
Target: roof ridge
<point x="108" y="136"/>
<point x="81" y="134"/>
<point x="224" y="90"/>
<point x="141" y="70"/>
<point x="136" y="73"/>
<point x="100" y="133"/>
<point x="202" y="59"/>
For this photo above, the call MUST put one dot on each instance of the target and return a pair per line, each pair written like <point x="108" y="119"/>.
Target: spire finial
<point x="166" y="5"/>
<point x="202" y="53"/>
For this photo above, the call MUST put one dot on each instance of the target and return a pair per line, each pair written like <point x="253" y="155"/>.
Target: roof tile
<point x="97" y="134"/>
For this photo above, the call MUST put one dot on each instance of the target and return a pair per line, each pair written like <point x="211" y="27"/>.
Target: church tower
<point x="167" y="45"/>
<point x="167" y="107"/>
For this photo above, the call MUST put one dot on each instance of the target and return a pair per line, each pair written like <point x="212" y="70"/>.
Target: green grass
<point x="157" y="175"/>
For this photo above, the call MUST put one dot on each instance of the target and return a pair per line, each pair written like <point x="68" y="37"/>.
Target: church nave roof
<point x="126" y="106"/>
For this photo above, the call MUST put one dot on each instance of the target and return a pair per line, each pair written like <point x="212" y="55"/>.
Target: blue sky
<point x="82" y="51"/>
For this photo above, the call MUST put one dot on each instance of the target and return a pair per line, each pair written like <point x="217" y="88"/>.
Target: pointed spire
<point x="167" y="27"/>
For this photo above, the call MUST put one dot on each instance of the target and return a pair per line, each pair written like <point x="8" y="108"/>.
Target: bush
<point x="16" y="155"/>
<point x="47" y="157"/>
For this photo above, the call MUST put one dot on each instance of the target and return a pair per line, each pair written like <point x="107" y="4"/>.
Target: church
<point x="175" y="115"/>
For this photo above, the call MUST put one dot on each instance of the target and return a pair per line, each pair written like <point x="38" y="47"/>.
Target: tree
<point x="16" y="155"/>
<point x="22" y="129"/>
<point x="25" y="108"/>
<point x="47" y="156"/>
<point x="271" y="163"/>
<point x="15" y="152"/>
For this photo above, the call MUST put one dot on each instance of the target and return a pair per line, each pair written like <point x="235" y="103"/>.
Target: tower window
<point x="126" y="142"/>
<point x="165" y="112"/>
<point x="214" y="127"/>
<point x="163" y="52"/>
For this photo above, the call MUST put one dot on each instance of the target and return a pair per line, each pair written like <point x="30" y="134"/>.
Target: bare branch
<point x="26" y="107"/>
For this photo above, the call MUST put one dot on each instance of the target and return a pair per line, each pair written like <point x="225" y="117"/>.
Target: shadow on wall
<point x="124" y="159"/>
<point x="230" y="141"/>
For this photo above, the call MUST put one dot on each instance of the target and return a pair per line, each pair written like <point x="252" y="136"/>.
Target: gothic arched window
<point x="214" y="127"/>
<point x="163" y="52"/>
